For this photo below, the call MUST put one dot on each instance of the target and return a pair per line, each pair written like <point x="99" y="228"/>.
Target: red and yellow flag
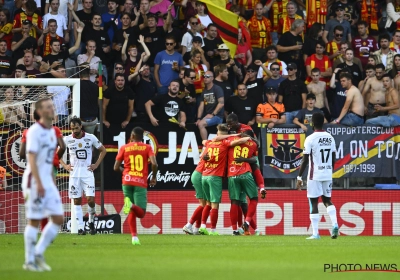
<point x="226" y="22"/>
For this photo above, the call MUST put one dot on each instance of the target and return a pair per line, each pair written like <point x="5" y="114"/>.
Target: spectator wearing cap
<point x="260" y="32"/>
<point x="196" y="45"/>
<point x="225" y="58"/>
<point x="276" y="79"/>
<point x="221" y="79"/>
<point x="57" y="55"/>
<point x="32" y="16"/>
<point x="304" y="117"/>
<point x="154" y="36"/>
<point x="270" y="112"/>
<point x="20" y="71"/>
<point x="242" y="105"/>
<point x="62" y="29"/>
<point x="5" y="61"/>
<point x="187" y="39"/>
<point x="328" y="33"/>
<point x="292" y="93"/>
<point x="167" y="65"/>
<point x="255" y="86"/>
<point x="272" y="57"/>
<point x="23" y="41"/>
<point x="290" y="46"/>
<point x="211" y="108"/>
<point x="211" y="43"/>
<point x="90" y="58"/>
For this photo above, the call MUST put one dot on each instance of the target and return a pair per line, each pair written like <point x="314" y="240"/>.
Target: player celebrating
<point x="320" y="147"/>
<point x="57" y="156"/>
<point x="40" y="192"/>
<point x="197" y="214"/>
<point x="136" y="156"/>
<point x="214" y="170"/>
<point x="81" y="169"/>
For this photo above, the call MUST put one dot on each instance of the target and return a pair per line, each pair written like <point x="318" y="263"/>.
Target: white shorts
<point x="38" y="208"/>
<point x="78" y="185"/>
<point x="318" y="188"/>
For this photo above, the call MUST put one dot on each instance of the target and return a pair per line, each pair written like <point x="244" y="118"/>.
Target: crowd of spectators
<point x="163" y="61"/>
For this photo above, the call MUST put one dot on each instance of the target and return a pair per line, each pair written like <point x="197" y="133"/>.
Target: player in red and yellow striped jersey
<point x="136" y="156"/>
<point x="214" y="170"/>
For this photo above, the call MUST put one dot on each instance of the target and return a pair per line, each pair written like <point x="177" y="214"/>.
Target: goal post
<point x="12" y="218"/>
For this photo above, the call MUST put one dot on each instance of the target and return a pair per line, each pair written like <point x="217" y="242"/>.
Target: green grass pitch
<point x="201" y="257"/>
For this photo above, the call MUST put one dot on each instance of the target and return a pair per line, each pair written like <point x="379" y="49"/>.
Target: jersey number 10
<point x="136" y="162"/>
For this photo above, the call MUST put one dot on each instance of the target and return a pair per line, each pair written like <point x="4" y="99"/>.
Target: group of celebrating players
<point x="233" y="153"/>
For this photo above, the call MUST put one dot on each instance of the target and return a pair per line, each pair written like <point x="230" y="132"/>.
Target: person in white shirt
<point x="62" y="29"/>
<point x="81" y="178"/>
<point x="204" y="19"/>
<point x="42" y="198"/>
<point x="187" y="38"/>
<point x="90" y="58"/>
<point x="320" y="150"/>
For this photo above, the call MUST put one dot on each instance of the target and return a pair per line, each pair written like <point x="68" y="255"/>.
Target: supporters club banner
<point x="363" y="151"/>
<point x="283" y="212"/>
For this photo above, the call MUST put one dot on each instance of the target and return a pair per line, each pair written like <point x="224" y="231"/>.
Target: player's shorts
<point x="198" y="186"/>
<point x="137" y="195"/>
<point x="212" y="188"/>
<point x="37" y="208"/>
<point x="243" y="198"/>
<point x="318" y="188"/>
<point x="78" y="185"/>
<point x="242" y="183"/>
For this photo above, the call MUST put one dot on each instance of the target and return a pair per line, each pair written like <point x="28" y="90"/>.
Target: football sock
<point x="196" y="214"/>
<point x="91" y="212"/>
<point x="205" y="214"/>
<point x="240" y="216"/>
<point x="332" y="214"/>
<point x="258" y="178"/>
<point x="30" y="236"/>
<point x="314" y="222"/>
<point x="252" y="210"/>
<point x="244" y="207"/>
<point x="198" y="222"/>
<point x="234" y="216"/>
<point x="49" y="233"/>
<point x="139" y="212"/>
<point x="132" y="223"/>
<point x="43" y="223"/>
<point x="79" y="216"/>
<point x="214" y="218"/>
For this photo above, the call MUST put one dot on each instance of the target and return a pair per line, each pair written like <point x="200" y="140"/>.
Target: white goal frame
<point x="76" y="101"/>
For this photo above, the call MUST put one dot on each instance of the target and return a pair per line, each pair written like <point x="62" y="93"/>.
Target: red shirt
<point x="200" y="165"/>
<point x="363" y="47"/>
<point x="56" y="160"/>
<point x="35" y="19"/>
<point x="246" y="150"/>
<point x="217" y="151"/>
<point x="136" y="168"/>
<point x="243" y="127"/>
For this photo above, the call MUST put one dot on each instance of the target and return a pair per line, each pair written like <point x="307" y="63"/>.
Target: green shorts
<point x="137" y="195"/>
<point x="242" y="198"/>
<point x="212" y="188"/>
<point x="198" y="186"/>
<point x="242" y="183"/>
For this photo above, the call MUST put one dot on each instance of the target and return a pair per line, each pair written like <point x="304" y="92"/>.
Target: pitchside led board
<point x="363" y="151"/>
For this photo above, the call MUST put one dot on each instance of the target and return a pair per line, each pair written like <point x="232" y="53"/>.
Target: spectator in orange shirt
<point x="271" y="112"/>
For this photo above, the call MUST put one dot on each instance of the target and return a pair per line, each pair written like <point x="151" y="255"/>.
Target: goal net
<point x="17" y="102"/>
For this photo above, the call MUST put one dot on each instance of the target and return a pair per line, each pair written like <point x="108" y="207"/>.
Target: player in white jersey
<point x="320" y="150"/>
<point x="41" y="195"/>
<point x="81" y="178"/>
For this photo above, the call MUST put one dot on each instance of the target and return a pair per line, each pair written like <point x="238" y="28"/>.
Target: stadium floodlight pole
<point x="100" y="70"/>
